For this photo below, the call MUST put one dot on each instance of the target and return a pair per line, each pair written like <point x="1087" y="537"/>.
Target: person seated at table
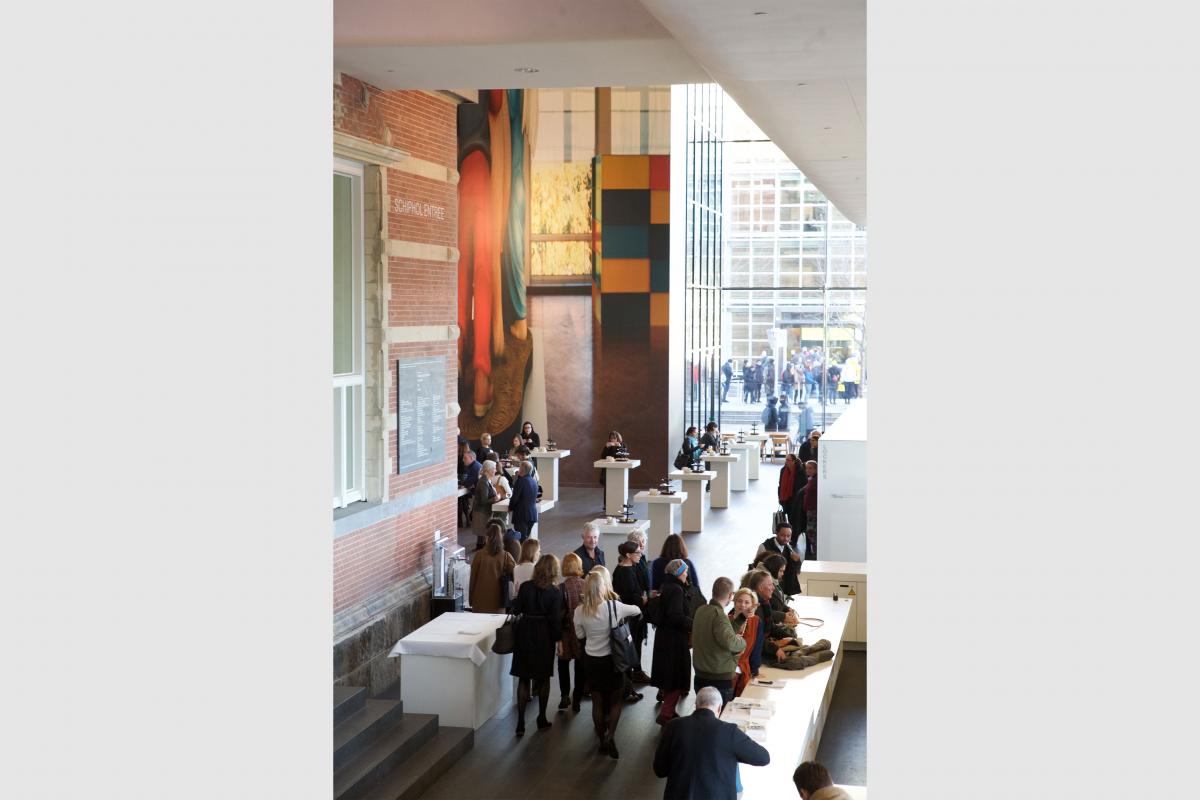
<point x="772" y="620"/>
<point x="745" y="624"/>
<point x="489" y="566"/>
<point x="529" y="436"/>
<point x="516" y="442"/>
<point x="691" y="447"/>
<point x="673" y="548"/>
<point x="614" y="445"/>
<point x="781" y="543"/>
<point x="468" y="478"/>
<point x="711" y="437"/>
<point x="813" y="783"/>
<point x="523" y="454"/>
<point x="484" y="451"/>
<point x="539" y="613"/>
<point x="589" y="552"/>
<point x="524" y="501"/>
<point x="531" y="551"/>
<point x="486" y="496"/>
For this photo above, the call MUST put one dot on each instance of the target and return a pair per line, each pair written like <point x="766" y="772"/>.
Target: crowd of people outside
<point x="807" y="373"/>
<point x="592" y="621"/>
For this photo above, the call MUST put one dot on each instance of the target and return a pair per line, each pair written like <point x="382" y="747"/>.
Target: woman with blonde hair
<point x="569" y="647"/>
<point x="745" y="624"/>
<point x="598" y="613"/>
<point x="538" y="608"/>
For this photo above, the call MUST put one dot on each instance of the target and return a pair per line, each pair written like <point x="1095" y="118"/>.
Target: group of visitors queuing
<point x="567" y="612"/>
<point x="808" y="372"/>
<point x="797" y="492"/>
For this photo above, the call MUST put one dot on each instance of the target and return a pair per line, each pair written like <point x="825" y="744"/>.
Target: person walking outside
<point x="726" y="379"/>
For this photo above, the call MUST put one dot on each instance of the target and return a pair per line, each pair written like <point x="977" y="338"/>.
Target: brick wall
<point x="385" y="559"/>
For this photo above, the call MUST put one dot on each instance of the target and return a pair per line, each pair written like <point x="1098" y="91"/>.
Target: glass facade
<point x="703" y="253"/>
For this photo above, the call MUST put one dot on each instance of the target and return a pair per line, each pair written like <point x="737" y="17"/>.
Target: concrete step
<point x="375" y="764"/>
<point x="360" y="730"/>
<point x="425" y="765"/>
<point x="347" y="700"/>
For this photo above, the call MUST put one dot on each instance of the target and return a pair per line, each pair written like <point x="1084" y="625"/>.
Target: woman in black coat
<point x="539" y="626"/>
<point x="808" y="449"/>
<point x="529" y="436"/>
<point x="672" y="666"/>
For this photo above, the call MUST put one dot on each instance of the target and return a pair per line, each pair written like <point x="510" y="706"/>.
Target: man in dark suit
<point x="523" y="505"/>
<point x="699" y="754"/>
<point x="781" y="543"/>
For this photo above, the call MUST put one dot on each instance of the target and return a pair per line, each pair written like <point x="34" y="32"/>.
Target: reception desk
<point x="793" y="733"/>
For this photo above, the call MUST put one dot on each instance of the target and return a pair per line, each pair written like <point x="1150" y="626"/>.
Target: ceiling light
<point x="845" y="156"/>
<point x="760" y="13"/>
<point x="527" y="70"/>
<point x="828" y="128"/>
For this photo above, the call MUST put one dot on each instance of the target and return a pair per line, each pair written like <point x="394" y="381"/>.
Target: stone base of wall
<point x="365" y="634"/>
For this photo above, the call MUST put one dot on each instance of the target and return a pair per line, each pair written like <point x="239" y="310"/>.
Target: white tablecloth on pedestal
<point x="453" y="635"/>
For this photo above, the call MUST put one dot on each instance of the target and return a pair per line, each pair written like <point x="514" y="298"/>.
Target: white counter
<point x="616" y="484"/>
<point x="845" y="579"/>
<point x="801" y="705"/>
<point x="447" y="668"/>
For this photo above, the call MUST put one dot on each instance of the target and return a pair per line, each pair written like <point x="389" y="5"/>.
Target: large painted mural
<point x="495" y="140"/>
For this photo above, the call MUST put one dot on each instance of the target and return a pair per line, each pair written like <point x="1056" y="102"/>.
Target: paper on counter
<point x="770" y="683"/>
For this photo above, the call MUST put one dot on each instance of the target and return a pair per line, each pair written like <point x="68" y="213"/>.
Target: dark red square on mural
<point x="660" y="172"/>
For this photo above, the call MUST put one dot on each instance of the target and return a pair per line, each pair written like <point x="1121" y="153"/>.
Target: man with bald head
<point x="699" y="754"/>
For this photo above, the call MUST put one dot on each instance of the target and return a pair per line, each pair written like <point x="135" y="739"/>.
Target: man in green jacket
<point x="715" y="645"/>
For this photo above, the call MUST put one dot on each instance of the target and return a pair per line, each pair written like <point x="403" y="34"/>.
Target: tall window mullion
<point x="349" y="395"/>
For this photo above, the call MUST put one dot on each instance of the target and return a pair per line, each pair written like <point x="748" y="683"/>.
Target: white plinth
<point x="662" y="516"/>
<point x="793" y="732"/>
<point x="693" y="509"/>
<point x="616" y="484"/>
<point x="739" y="474"/>
<point x="720" y="485"/>
<point x="446" y="681"/>
<point x="761" y="438"/>
<point x="751" y="461"/>
<point x="612" y="535"/>
<point x="547" y="467"/>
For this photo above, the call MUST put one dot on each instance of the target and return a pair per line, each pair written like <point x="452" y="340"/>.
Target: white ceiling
<point x="757" y="59"/>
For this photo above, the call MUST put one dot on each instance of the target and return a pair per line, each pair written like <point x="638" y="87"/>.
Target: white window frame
<point x="348" y="489"/>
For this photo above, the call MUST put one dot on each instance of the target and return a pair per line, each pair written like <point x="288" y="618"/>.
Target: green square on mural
<point x="660" y="275"/>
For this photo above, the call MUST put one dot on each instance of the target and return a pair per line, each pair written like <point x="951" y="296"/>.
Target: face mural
<point x="495" y="139"/>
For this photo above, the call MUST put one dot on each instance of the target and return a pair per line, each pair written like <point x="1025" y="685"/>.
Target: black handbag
<point x="506" y="637"/>
<point x="624" y="655"/>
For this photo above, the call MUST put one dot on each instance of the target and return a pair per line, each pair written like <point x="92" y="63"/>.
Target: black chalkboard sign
<point x="420" y="412"/>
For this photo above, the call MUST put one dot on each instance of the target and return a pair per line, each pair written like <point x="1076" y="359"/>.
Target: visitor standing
<point x="671" y="669"/>
<point x="715" y="645"/>
<point x="539" y="610"/>
<point x="490" y="566"/>
<point x="810" y="511"/>
<point x="570" y="648"/>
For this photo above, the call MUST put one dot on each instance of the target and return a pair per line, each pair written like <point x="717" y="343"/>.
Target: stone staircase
<point x="381" y="753"/>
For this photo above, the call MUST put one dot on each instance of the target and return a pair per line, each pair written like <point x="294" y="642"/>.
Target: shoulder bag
<point x="506" y="636"/>
<point x="624" y="656"/>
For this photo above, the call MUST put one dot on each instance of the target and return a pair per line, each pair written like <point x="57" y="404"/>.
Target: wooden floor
<point x="562" y="762"/>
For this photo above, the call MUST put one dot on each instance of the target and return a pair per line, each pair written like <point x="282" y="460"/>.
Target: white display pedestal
<point x="739" y="474"/>
<point x="694" y="487"/>
<point x="547" y="467"/>
<point x="616" y="484"/>
<point x="720" y="485"/>
<point x="662" y="516"/>
<point x="439" y="674"/>
<point x="793" y="732"/>
<point x="612" y="535"/>
<point x="761" y="439"/>
<point x="842" y="488"/>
